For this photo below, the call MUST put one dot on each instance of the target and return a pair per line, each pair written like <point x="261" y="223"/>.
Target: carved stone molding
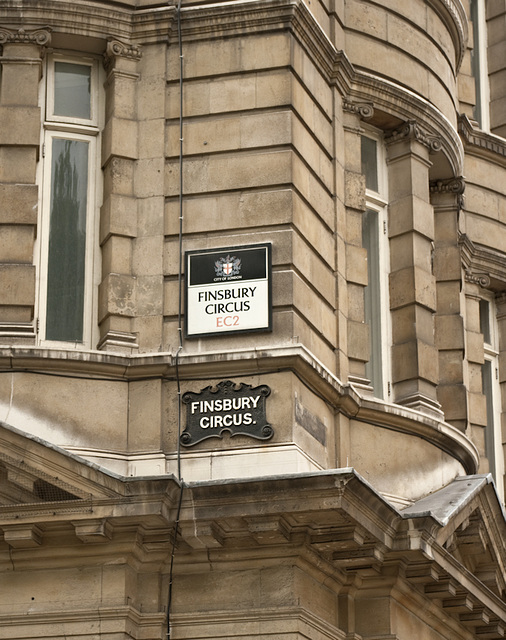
<point x="481" y="143"/>
<point x="41" y="37"/>
<point x="117" y="49"/>
<point x="411" y="130"/>
<point x="483" y="265"/>
<point x="454" y="186"/>
<point x="363" y="109"/>
<point x="482" y="279"/>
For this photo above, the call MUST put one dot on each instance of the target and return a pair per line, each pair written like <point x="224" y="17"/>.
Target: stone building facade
<point x="361" y="145"/>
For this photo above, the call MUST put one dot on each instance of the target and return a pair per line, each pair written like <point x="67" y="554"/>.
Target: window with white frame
<point x="71" y="187"/>
<point x="479" y="64"/>
<point x="375" y="241"/>
<point x="492" y="392"/>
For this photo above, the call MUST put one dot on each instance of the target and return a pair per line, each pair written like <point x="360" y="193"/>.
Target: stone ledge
<point x="296" y="359"/>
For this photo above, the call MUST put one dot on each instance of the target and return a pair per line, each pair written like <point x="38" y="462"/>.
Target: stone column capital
<point x="452" y="186"/>
<point x="363" y="109"/>
<point x="411" y="130"/>
<point x="117" y="49"/>
<point x="41" y="37"/>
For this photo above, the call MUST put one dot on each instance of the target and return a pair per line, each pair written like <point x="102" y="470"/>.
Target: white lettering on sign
<point x="225" y="404"/>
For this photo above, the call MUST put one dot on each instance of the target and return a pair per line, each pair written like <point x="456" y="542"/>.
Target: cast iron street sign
<point x="236" y="408"/>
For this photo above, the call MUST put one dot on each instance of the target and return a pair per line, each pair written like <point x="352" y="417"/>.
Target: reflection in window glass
<point x="372" y="300"/>
<point x="72" y="96"/>
<point x="67" y="240"/>
<point x="370" y="163"/>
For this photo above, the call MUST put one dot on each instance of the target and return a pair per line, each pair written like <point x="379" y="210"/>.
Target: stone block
<point x="240" y="171"/>
<point x="20" y="126"/>
<point x="116" y="295"/>
<point x="118" y="176"/>
<point x="449" y="332"/>
<point x="453" y="400"/>
<point x="16" y="243"/>
<point x="151" y="138"/>
<point x="477" y="408"/>
<point x="120" y="139"/>
<point x="447" y="263"/>
<point x="415" y="359"/>
<point x="412" y="322"/>
<point x="354" y="195"/>
<point x="121" y="97"/>
<point x="18" y="204"/>
<point x="356" y="264"/>
<point x="20" y="84"/>
<point x="474" y="347"/>
<point x="358" y="341"/>
<point x="314" y="118"/>
<point x="148" y="256"/>
<point x="144" y="428"/>
<point x="149" y="177"/>
<point x="17" y="284"/>
<point x="367" y="19"/>
<point x="451" y="368"/>
<point x="408" y="214"/>
<point x="410" y="249"/>
<point x="117" y="255"/>
<point x="18" y="164"/>
<point x="412" y="286"/>
<point x="118" y="216"/>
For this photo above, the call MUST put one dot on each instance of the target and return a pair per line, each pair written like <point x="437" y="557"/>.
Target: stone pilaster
<point x="447" y="200"/>
<point x="412" y="283"/>
<point x="20" y="123"/>
<point x="118" y="216"/>
<point x="476" y="401"/>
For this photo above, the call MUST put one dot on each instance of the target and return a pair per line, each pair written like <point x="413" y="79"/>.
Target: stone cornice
<point x="229" y="364"/>
<point x="483" y="265"/>
<point x="482" y="144"/>
<point x="453" y="14"/>
<point x="397" y="101"/>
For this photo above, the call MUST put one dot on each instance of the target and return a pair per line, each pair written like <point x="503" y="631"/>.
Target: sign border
<point x="214" y="334"/>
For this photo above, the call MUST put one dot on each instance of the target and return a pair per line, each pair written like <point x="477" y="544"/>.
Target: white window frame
<point x="493" y="436"/>
<point x="78" y="129"/>
<point x="377" y="201"/>
<point x="480" y="64"/>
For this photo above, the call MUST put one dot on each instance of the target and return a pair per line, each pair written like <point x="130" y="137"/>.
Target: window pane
<point x="67" y="240"/>
<point x="485" y="321"/>
<point x="487" y="388"/>
<point x="372" y="300"/>
<point x="72" y="90"/>
<point x="370" y="163"/>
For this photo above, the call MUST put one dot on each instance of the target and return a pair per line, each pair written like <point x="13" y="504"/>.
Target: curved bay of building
<point x="341" y="138"/>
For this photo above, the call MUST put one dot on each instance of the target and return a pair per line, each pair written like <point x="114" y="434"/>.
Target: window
<point x="491" y="391"/>
<point x="479" y="64"/>
<point x="70" y="188"/>
<point x="375" y="241"/>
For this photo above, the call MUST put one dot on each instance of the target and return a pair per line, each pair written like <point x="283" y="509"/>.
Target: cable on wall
<point x="180" y="320"/>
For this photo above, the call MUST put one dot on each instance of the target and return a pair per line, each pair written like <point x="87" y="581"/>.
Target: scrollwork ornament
<point x="116" y="49"/>
<point x="411" y="130"/>
<point x="482" y="279"/>
<point x="364" y="109"/>
<point x="40" y="37"/>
